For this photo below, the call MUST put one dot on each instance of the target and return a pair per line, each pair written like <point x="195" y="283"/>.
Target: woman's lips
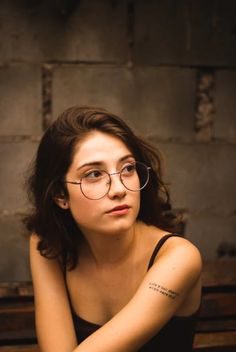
<point x="119" y="210"/>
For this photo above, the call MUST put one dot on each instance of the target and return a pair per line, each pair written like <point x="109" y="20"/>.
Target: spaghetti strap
<point x="158" y="247"/>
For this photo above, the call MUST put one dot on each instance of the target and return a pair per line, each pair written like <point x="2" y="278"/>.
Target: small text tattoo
<point x="163" y="290"/>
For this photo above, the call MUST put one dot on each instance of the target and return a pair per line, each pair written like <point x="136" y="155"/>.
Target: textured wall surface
<point x="167" y="67"/>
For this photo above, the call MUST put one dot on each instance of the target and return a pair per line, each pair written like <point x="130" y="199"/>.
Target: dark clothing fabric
<point x="177" y="334"/>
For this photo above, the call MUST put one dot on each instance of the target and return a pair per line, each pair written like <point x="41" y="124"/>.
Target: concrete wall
<point x="168" y="67"/>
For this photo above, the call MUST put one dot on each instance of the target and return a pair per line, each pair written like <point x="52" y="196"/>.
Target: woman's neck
<point x="109" y="250"/>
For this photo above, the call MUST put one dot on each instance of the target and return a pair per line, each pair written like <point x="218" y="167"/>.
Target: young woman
<point x="108" y="274"/>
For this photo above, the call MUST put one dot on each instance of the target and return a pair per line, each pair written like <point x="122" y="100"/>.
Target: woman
<point x="107" y="273"/>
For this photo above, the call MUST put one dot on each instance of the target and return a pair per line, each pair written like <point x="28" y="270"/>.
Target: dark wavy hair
<point x="58" y="233"/>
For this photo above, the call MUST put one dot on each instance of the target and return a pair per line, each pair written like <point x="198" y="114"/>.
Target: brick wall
<point x="167" y="67"/>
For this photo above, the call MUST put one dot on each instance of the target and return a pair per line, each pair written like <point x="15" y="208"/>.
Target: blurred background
<point x="167" y="67"/>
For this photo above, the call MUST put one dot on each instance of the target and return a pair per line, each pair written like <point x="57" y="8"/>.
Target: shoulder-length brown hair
<point x="59" y="235"/>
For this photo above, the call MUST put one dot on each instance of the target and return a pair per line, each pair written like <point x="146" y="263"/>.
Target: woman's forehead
<point x="100" y="146"/>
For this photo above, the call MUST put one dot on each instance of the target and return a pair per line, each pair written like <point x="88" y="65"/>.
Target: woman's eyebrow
<point x="91" y="163"/>
<point x="99" y="163"/>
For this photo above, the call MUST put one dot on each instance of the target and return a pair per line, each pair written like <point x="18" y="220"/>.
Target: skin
<point x="114" y="254"/>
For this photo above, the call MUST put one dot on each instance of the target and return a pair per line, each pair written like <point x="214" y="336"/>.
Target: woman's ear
<point x="61" y="201"/>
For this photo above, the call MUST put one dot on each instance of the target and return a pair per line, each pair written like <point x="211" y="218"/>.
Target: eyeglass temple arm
<point x="74" y="182"/>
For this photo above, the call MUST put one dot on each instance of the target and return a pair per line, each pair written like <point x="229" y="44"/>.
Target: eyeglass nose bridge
<point x="113" y="174"/>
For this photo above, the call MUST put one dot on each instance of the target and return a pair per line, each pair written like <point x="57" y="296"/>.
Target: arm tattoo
<point x="163" y="290"/>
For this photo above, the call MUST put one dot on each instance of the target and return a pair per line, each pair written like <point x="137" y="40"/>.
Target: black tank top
<point x="176" y="335"/>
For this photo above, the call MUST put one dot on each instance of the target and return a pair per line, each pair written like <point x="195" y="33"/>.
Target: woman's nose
<point x="117" y="189"/>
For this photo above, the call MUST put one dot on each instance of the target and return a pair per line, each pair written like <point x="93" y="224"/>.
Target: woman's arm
<point x="54" y="325"/>
<point x="160" y="295"/>
<point x="162" y="292"/>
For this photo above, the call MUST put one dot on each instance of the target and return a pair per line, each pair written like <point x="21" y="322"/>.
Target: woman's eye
<point x="93" y="175"/>
<point x="128" y="169"/>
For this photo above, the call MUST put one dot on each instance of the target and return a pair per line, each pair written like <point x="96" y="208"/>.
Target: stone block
<point x="14" y="160"/>
<point x="213" y="33"/>
<point x="159" y="32"/>
<point x="159" y="102"/>
<point x="209" y="232"/>
<point x="185" y="32"/>
<point x="40" y="31"/>
<point x="201" y="177"/>
<point x="20" y="104"/>
<point x="225" y="105"/>
<point x="14" y="262"/>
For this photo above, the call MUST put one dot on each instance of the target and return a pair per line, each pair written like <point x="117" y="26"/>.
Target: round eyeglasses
<point x="96" y="183"/>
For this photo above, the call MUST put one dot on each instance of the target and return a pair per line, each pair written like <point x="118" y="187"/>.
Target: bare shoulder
<point x="182" y="253"/>
<point x="176" y="251"/>
<point x="33" y="246"/>
<point x="40" y="264"/>
<point x="179" y="245"/>
<point x="34" y="241"/>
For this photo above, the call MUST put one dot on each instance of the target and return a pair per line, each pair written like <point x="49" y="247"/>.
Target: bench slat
<point x="221" y="272"/>
<point x="216" y="325"/>
<point x="217" y="339"/>
<point x="218" y="305"/>
<point x="20" y="348"/>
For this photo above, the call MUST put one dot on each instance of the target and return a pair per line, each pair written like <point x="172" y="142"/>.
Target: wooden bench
<point x="216" y="329"/>
<point x="17" y="328"/>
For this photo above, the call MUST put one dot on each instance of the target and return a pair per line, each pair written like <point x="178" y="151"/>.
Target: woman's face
<point x="100" y="151"/>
